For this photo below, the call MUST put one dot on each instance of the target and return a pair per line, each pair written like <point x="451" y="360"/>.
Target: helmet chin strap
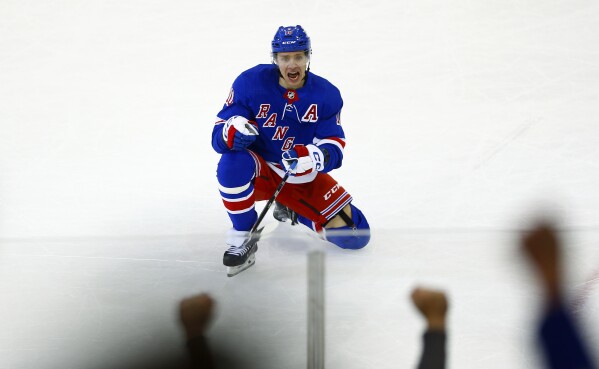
<point x="306" y="74"/>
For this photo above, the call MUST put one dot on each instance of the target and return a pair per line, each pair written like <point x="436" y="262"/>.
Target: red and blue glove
<point x="308" y="159"/>
<point x="239" y="133"/>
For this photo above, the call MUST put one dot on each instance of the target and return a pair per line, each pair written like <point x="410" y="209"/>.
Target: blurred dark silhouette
<point x="433" y="305"/>
<point x="195" y="314"/>
<point x="558" y="334"/>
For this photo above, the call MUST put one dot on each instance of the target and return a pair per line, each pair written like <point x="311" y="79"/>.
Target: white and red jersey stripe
<point x="337" y="141"/>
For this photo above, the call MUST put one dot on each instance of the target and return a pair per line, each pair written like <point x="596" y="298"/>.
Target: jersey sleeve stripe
<point x="339" y="142"/>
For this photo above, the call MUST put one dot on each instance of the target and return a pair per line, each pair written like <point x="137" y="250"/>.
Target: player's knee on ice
<point x="348" y="238"/>
<point x="235" y="168"/>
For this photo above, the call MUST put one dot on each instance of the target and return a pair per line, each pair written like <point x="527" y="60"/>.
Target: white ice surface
<point x="462" y="119"/>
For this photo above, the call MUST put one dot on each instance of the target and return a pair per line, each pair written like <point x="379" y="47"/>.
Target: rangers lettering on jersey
<point x="264" y="108"/>
<point x="271" y="121"/>
<point x="288" y="144"/>
<point x="280" y="133"/>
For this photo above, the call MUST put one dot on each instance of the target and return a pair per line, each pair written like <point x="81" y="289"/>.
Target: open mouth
<point x="293" y="77"/>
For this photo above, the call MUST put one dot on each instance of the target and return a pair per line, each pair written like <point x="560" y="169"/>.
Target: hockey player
<point x="278" y="114"/>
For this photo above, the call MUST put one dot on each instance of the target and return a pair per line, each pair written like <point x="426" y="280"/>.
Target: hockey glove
<point x="239" y="133"/>
<point x="309" y="158"/>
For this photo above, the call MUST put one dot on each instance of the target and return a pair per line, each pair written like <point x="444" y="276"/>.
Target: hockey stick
<point x="272" y="198"/>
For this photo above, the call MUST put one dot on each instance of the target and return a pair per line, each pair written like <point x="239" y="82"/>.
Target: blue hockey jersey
<point x="284" y="118"/>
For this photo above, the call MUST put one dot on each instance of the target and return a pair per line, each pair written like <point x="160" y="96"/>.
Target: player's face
<point x="293" y="68"/>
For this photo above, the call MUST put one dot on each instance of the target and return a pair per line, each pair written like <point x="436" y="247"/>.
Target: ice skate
<point x="241" y="253"/>
<point x="282" y="213"/>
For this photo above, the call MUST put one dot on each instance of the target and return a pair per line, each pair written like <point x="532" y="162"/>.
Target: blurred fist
<point x="432" y="304"/>
<point x="195" y="313"/>
<point x="542" y="247"/>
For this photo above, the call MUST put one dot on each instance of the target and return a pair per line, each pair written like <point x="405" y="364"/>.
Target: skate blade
<point x="233" y="271"/>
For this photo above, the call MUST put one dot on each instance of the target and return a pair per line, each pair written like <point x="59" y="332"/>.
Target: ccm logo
<point x="318" y="166"/>
<point x="331" y="192"/>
